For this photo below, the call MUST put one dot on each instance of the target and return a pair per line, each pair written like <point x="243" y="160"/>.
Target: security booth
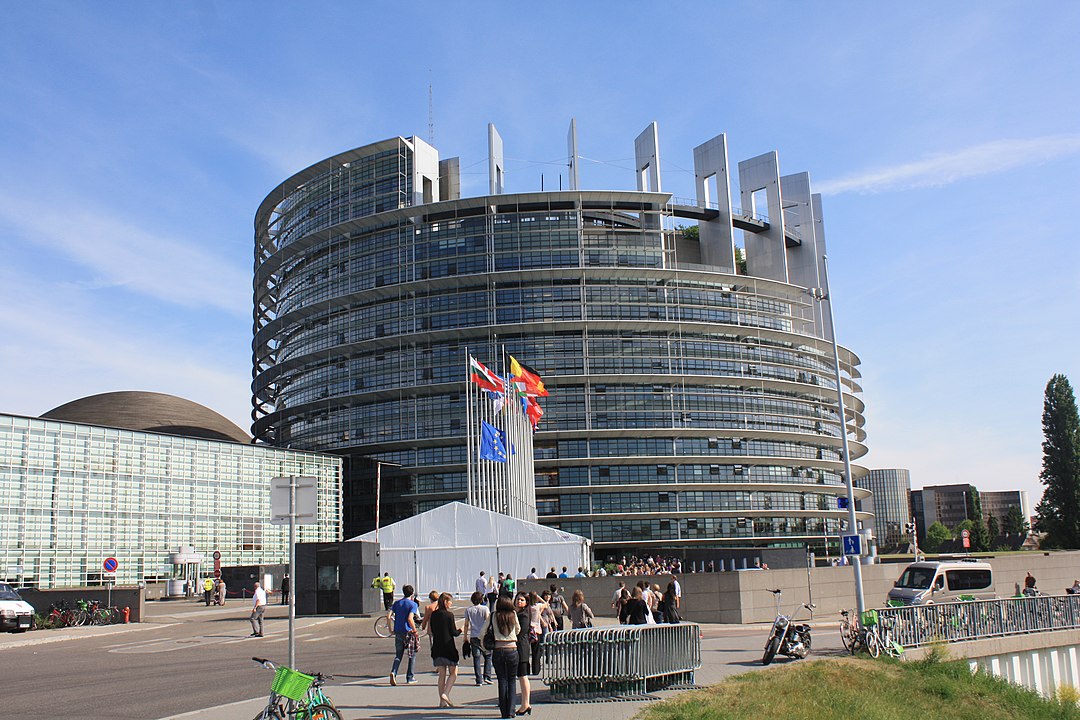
<point x="335" y="578"/>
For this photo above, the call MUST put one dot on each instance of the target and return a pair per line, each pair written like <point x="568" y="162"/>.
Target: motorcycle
<point x="786" y="637"/>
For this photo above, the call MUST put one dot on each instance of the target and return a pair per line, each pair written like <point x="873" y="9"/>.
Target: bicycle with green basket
<point x="296" y="695"/>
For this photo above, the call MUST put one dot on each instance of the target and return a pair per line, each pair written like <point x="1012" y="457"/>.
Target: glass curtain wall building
<point x="693" y="397"/>
<point x="891" y="490"/>
<point x="72" y="495"/>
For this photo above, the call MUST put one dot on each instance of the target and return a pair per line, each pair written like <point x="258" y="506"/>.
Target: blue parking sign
<point x="852" y="545"/>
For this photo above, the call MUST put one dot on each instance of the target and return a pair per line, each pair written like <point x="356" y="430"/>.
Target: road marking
<point x="196" y="713"/>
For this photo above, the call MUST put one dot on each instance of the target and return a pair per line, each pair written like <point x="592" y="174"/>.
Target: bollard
<point x="127" y="615"/>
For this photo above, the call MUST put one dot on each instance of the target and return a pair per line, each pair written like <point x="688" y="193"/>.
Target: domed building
<point x="693" y="396"/>
<point x="150" y="412"/>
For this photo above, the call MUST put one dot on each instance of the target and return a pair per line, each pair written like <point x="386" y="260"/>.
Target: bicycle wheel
<point x="873" y="645"/>
<point x="271" y="712"/>
<point x="320" y="712"/>
<point x="847" y="638"/>
<point x="382" y="626"/>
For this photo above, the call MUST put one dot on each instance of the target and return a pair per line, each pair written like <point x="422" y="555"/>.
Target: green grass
<point x="849" y="688"/>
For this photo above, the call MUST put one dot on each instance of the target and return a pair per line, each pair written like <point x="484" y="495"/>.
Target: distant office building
<point x="890" y="503"/>
<point x="915" y="507"/>
<point x="73" y="494"/>
<point x="997" y="503"/>
<point x="693" y="393"/>
<point x="946" y="504"/>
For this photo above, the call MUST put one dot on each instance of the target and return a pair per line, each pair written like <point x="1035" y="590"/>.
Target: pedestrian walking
<point x="208" y="590"/>
<point x="558" y="606"/>
<point x="258" y="607"/>
<point x="615" y="596"/>
<point x="388" y="586"/>
<point x="219" y="593"/>
<point x="503" y="627"/>
<point x="444" y="653"/>
<point x="581" y="615"/>
<point x="431" y="607"/>
<point x="285" y="589"/>
<point x="524" y="652"/>
<point x="634" y="610"/>
<point x="406" y="639"/>
<point x="671" y="605"/>
<point x="477" y="616"/>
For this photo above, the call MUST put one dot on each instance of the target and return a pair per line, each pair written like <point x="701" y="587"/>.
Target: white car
<point x="16" y="615"/>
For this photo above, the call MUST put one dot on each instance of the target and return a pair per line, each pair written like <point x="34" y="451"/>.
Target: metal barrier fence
<point x="973" y="620"/>
<point x="623" y="661"/>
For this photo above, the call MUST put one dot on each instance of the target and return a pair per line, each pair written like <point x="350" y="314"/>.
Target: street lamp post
<point x="378" y="491"/>
<point x="826" y="295"/>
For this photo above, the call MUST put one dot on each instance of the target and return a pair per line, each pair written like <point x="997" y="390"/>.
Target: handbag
<point x="487" y="642"/>
<point x="466" y="648"/>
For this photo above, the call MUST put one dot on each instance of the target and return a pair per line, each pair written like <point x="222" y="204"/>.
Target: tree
<point x="936" y="535"/>
<point x="1014" y="522"/>
<point x="980" y="540"/>
<point x="993" y="530"/>
<point x="1058" y="514"/>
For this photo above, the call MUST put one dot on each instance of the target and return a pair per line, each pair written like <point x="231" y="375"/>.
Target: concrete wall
<point x="129" y="596"/>
<point x="743" y="597"/>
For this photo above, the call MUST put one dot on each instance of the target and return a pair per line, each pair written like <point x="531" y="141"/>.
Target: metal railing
<point x="974" y="620"/>
<point x="624" y="661"/>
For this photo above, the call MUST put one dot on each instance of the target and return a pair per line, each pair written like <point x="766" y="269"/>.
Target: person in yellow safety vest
<point x="208" y="590"/>
<point x="387" y="585"/>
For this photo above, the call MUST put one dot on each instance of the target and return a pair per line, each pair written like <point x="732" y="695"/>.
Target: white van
<point x="924" y="583"/>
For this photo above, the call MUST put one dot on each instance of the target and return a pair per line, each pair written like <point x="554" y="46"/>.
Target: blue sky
<point x="137" y="139"/>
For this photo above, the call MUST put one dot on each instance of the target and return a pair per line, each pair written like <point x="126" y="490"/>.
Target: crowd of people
<point x="503" y="628"/>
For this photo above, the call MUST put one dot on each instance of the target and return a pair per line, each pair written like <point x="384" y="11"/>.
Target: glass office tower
<point x="73" y="494"/>
<point x="693" y="397"/>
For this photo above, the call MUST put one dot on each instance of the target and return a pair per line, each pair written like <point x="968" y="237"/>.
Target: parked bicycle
<point x="296" y="696"/>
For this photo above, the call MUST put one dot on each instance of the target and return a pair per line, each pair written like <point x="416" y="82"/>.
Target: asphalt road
<point x="188" y="658"/>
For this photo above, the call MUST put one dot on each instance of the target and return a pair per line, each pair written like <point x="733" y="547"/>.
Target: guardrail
<point x="977" y="619"/>
<point x="626" y="661"/>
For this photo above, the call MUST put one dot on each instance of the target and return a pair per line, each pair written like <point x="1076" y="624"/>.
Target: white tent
<point x="446" y="548"/>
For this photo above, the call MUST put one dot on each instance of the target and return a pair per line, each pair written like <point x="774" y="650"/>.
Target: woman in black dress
<point x="525" y="651"/>
<point x="444" y="652"/>
<point x="671" y="605"/>
<point x="633" y="612"/>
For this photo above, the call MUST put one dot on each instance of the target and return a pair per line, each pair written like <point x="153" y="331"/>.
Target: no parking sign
<point x="110" y="564"/>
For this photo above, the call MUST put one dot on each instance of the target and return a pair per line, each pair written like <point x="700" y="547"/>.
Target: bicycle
<point x="384" y="624"/>
<point x="849" y="631"/>
<point x="883" y="634"/>
<point x="296" y="695"/>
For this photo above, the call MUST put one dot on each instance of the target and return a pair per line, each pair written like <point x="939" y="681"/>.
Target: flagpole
<point x="469" y="493"/>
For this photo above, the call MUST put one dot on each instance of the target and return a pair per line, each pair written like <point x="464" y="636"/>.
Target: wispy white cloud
<point x="121" y="253"/>
<point x="59" y="345"/>
<point x="946" y="168"/>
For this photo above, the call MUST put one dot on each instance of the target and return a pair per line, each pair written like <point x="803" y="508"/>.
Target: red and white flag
<point x="484" y="377"/>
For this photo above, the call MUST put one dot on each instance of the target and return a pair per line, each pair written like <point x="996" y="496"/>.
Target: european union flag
<point x="841" y="503"/>
<point x="492" y="443"/>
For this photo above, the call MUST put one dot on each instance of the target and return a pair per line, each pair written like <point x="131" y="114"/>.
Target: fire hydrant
<point x="127" y="615"/>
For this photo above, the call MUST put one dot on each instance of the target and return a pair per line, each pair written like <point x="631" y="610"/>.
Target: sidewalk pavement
<point x="726" y="650"/>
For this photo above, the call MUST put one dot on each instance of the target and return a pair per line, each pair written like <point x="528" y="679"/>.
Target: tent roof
<point x="457" y="525"/>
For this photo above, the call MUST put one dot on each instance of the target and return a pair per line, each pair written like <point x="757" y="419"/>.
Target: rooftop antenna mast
<point x="430" y="113"/>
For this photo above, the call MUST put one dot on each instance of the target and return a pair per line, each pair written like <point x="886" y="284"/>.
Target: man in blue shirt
<point x="564" y="575"/>
<point x="405" y="611"/>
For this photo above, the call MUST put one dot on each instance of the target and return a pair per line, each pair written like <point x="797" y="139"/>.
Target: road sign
<point x="217" y="555"/>
<point x="307" y="503"/>
<point x="852" y="545"/>
<point x="110" y="564"/>
<point x="965" y="536"/>
<point x="217" y="573"/>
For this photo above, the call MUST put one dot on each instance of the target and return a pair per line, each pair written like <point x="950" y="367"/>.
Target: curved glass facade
<point x="688" y="406"/>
